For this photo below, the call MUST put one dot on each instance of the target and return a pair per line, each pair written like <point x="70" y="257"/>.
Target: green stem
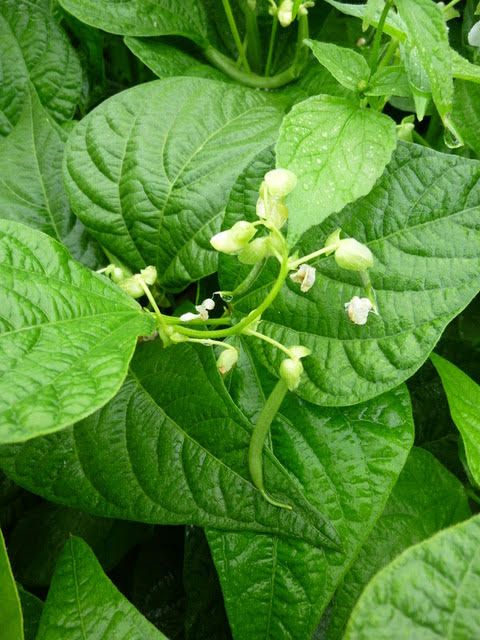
<point x="237" y="329"/>
<point x="278" y="345"/>
<point x="151" y="299"/>
<point x="471" y="494"/>
<point x="259" y="435"/>
<point x="273" y="35"/>
<point x="369" y="290"/>
<point x="236" y="36"/>
<point x="418" y="138"/>
<point x="209" y="343"/>
<point x="198" y="321"/>
<point x="450" y="5"/>
<point x="389" y="53"/>
<point x="301" y="53"/>
<point x="254" y="51"/>
<point x="228" y="67"/>
<point x="378" y="37"/>
<point x="249" y="280"/>
<point x="310" y="256"/>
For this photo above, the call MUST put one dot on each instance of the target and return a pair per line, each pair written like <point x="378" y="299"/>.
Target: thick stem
<point x="378" y="37"/>
<point x="254" y="50"/>
<point x="259" y="435"/>
<point x="228" y="67"/>
<point x="271" y="45"/>
<point x="389" y="53"/>
<point x="236" y="36"/>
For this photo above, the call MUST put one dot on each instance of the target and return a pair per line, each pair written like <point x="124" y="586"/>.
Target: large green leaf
<point x="32" y="46"/>
<point x="429" y="592"/>
<point x="426" y="499"/>
<point x="31" y="186"/>
<point x="66" y="335"/>
<point x="467" y="113"/>
<point x="347" y="460"/>
<point x="421" y="222"/>
<point x="170" y="448"/>
<point x="463" y="396"/>
<point x="83" y="603"/>
<point x="337" y="149"/>
<point x="11" y="620"/>
<point x="348" y="67"/>
<point x="32" y="608"/>
<point x="143" y="17"/>
<point x="153" y="189"/>
<point x="427" y="31"/>
<point x="166" y="61"/>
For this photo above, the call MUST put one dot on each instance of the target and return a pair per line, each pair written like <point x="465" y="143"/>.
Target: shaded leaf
<point x="32" y="608"/>
<point x="11" y="620"/>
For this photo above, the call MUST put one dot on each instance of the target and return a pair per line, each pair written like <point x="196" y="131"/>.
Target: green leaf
<point x="394" y="25"/>
<point x="40" y="534"/>
<point x="337" y="150"/>
<point x="463" y="396"/>
<point x="426" y="499"/>
<point x="143" y="185"/>
<point x="428" y="592"/>
<point x="32" y="608"/>
<point x="463" y="69"/>
<point x="466" y="110"/>
<point x="166" y="61"/>
<point x="31" y="186"/>
<point x="389" y="81"/>
<point x="83" y="603"/>
<point x="32" y="46"/>
<point x="421" y="222"/>
<point x="66" y="335"/>
<point x="11" y="620"/>
<point x="347" y="460"/>
<point x="143" y="17"/>
<point x="347" y="66"/>
<point x="427" y="31"/>
<point x="154" y="454"/>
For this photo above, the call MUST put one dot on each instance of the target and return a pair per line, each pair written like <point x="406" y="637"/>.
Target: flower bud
<point x="299" y="351"/>
<point x="227" y="360"/>
<point x="291" y="372"/>
<point x="285" y="13"/>
<point x="117" y="274"/>
<point x="235" y="239"/>
<point x="255" y="251"/>
<point x="280" y="182"/>
<point x="132" y="286"/>
<point x="474" y="35"/>
<point x="149" y="275"/>
<point x="353" y="255"/>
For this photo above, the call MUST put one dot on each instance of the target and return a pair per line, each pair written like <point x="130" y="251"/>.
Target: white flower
<point x="207" y="305"/>
<point x="186" y="317"/>
<point x="280" y="182"/>
<point x="305" y="277"/>
<point x="285" y="13"/>
<point x="358" y="309"/>
<point x="233" y="240"/>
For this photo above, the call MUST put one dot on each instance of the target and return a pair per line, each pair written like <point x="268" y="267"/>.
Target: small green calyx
<point x="255" y="251"/>
<point x="332" y="242"/>
<point x="353" y="255"/>
<point x="136" y="285"/>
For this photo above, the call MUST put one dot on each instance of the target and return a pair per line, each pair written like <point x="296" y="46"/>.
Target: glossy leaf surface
<point x="66" y="335"/>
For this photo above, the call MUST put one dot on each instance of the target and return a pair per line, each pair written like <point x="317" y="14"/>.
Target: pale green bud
<point x="255" y="251"/>
<point x="405" y="129"/>
<point x="285" y="13"/>
<point x="333" y="241"/>
<point x="291" y="372"/>
<point x="235" y="239"/>
<point x="227" y="360"/>
<point x="149" y="275"/>
<point x="474" y="35"/>
<point x="353" y="255"/>
<point x="299" y="351"/>
<point x="132" y="286"/>
<point x="280" y="182"/>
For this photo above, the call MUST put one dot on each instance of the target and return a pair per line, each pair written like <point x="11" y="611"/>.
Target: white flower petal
<point x="305" y="277"/>
<point x="358" y="309"/>
<point x="186" y="317"/>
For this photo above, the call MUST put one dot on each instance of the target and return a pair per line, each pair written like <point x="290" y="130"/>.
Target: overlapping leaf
<point x="348" y="461"/>
<point x="82" y="595"/>
<point x="170" y="448"/>
<point x="66" y="335"/>
<point x="426" y="499"/>
<point x="33" y="47"/>
<point x="429" y="592"/>
<point x="153" y="189"/>
<point x="11" y="620"/>
<point x="31" y="186"/>
<point x="421" y="222"/>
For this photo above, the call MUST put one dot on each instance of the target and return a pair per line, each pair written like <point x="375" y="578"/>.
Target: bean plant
<point x="239" y="277"/>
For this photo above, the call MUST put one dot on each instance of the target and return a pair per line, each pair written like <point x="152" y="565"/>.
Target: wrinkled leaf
<point x="66" y="335"/>
<point x="83" y="603"/>
<point x="467" y="113"/>
<point x="426" y="499"/>
<point x="463" y="396"/>
<point x="421" y="222"/>
<point x="153" y="454"/>
<point x="11" y="620"/>
<point x="337" y="149"/>
<point x="143" y="17"/>
<point x="428" y="592"/>
<point x="33" y="46"/>
<point x="345" y="459"/>
<point x="31" y="186"/>
<point x="152" y="190"/>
